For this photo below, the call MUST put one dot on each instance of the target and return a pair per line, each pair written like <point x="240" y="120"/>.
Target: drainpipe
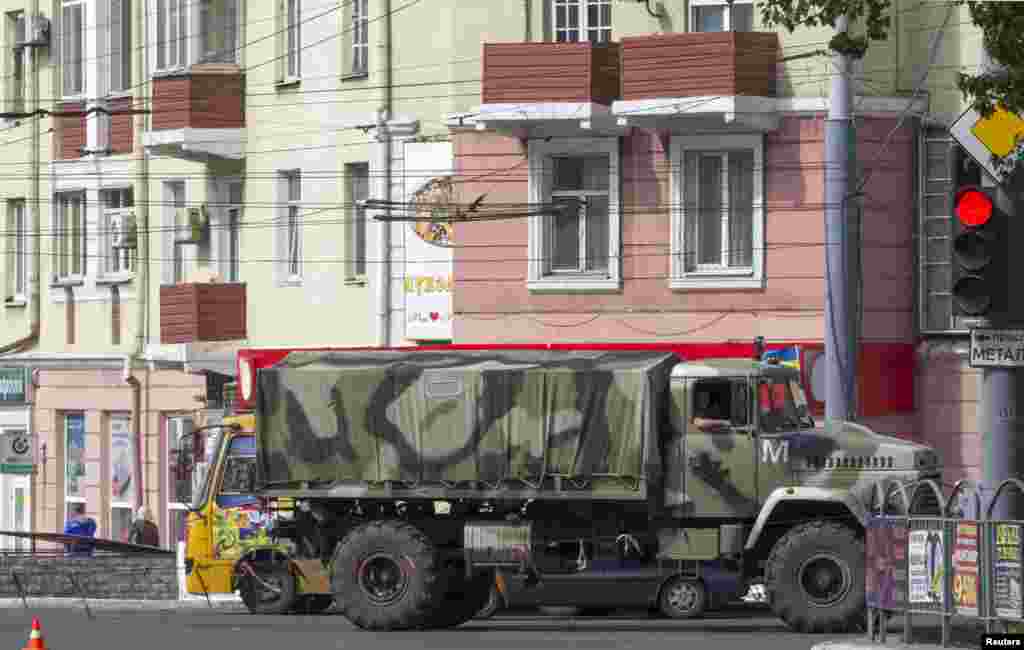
<point x="383" y="157"/>
<point x="528" y="15"/>
<point x="33" y="202"/>
<point x="136" y="424"/>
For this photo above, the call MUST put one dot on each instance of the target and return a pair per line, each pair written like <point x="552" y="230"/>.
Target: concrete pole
<point x="840" y="360"/>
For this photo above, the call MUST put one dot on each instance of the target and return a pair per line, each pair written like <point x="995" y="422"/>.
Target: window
<point x="581" y="20"/>
<point x="178" y="485"/>
<point x="358" y="178"/>
<point x="171" y="32"/>
<point x="234" y="233"/>
<point x="576" y="246"/>
<point x="120" y="62"/>
<point x="291" y="191"/>
<point x="16" y="89"/>
<point x="17" y="262"/>
<point x="176" y="217"/>
<point x="72" y="47"/>
<point x="239" y="474"/>
<point x="117" y="205"/>
<point x="74" y="459"/>
<point x="69" y="236"/>
<point x="717" y="227"/>
<point x="721" y="16"/>
<point x="359" y="37"/>
<point x="290" y="18"/>
<point x="122" y="476"/>
<point x="218" y="24"/>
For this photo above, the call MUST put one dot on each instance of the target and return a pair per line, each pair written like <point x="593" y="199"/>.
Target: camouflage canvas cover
<point x="452" y="416"/>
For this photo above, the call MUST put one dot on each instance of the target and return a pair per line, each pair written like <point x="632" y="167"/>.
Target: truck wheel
<point x="683" y="597"/>
<point x="271" y="591"/>
<point x="463" y="601"/>
<point x="314" y="604"/>
<point x="815" y="578"/>
<point x="386" y="576"/>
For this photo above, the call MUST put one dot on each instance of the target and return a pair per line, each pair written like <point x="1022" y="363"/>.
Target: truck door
<point x="721" y="460"/>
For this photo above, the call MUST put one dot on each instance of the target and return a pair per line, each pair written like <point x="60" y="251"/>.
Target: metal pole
<point x="840" y="370"/>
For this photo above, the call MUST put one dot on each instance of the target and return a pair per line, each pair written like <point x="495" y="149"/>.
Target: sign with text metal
<point x="17" y="452"/>
<point x="991" y="348"/>
<point x="12" y="385"/>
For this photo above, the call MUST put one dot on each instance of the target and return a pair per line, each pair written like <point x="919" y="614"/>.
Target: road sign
<point x="17" y="452"/>
<point x="992" y="348"/>
<point x="983" y="138"/>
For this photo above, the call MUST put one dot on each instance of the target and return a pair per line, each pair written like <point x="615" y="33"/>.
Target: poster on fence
<point x="965" y="569"/>
<point x="1006" y="583"/>
<point x="926" y="567"/>
<point x="887" y="563"/>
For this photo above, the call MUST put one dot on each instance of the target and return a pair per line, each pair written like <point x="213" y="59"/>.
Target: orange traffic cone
<point x="35" y="638"/>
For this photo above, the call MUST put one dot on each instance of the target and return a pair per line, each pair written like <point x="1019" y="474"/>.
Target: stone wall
<point x="113" y="576"/>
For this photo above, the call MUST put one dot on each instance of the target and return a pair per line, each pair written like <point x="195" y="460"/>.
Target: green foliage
<point x="792" y="14"/>
<point x="1002" y="27"/>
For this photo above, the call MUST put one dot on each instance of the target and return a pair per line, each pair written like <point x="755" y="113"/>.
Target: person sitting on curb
<point x="144" y="531"/>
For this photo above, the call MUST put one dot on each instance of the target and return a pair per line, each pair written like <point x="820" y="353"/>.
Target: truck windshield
<point x="783" y="405"/>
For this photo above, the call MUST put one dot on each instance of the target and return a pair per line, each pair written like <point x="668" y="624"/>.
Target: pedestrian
<point x="80" y="524"/>
<point x="144" y="531"/>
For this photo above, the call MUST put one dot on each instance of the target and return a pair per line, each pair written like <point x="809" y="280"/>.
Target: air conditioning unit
<point x="31" y="31"/>
<point x="123" y="230"/>
<point x="197" y="222"/>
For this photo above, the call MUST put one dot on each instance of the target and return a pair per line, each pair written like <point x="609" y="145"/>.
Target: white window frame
<point x="210" y="25"/>
<point x="539" y="279"/>
<point x="727" y="12"/>
<point x="355" y="224"/>
<point x="720" y="277"/>
<point x="115" y="504"/>
<point x="583" y="29"/>
<point x="118" y="263"/>
<point x="119" y="59"/>
<point x="173" y="37"/>
<point x="68" y="498"/>
<point x="16" y="87"/>
<point x="73" y="63"/>
<point x="232" y="246"/>
<point x="290" y="193"/>
<point x="64" y="232"/>
<point x="17" y="228"/>
<point x="359" y="65"/>
<point x="170" y="446"/>
<point x="290" y="19"/>
<point x="174" y="265"/>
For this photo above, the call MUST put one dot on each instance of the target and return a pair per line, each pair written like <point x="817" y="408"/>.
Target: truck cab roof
<point x="732" y="367"/>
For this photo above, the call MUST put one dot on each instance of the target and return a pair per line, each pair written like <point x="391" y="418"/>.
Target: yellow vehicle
<point x="233" y="540"/>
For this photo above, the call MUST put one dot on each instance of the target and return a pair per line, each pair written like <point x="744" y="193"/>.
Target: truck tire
<point x="271" y="592"/>
<point x="683" y="597"/>
<point x="387" y="577"/>
<point x="464" y="599"/>
<point x="814" y="578"/>
<point x="313" y="604"/>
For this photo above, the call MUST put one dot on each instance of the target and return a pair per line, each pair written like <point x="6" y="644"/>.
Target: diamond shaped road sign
<point x="983" y="138"/>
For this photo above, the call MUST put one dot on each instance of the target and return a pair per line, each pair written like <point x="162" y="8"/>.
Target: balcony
<point x="202" y="312"/>
<point x="199" y="113"/>
<point x="710" y="77"/>
<point x="531" y="83"/>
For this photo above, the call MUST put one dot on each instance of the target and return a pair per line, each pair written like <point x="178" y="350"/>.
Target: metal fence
<point x="930" y="555"/>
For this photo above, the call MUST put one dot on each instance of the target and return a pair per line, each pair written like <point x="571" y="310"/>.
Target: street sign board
<point x="983" y="138"/>
<point x="992" y="348"/>
<point x="17" y="452"/>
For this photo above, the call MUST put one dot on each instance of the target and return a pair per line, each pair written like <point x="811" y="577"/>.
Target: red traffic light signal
<point x="973" y="207"/>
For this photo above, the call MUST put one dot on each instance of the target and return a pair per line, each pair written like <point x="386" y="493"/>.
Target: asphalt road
<point x="199" y="629"/>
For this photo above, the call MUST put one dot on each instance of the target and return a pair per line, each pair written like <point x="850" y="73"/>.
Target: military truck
<point x="398" y="483"/>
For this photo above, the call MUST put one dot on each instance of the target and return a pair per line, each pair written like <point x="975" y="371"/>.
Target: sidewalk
<point x="220" y="604"/>
<point x="923" y="638"/>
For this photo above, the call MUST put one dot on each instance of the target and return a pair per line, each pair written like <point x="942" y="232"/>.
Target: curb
<point x="117" y="604"/>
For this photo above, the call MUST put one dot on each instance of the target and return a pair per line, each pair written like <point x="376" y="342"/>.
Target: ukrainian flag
<point x="784" y="357"/>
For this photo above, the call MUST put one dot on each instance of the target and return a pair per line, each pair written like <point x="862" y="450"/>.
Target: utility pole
<point x="840" y="356"/>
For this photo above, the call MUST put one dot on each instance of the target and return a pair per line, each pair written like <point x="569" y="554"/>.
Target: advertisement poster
<point x="74" y="464"/>
<point x="429" y="253"/>
<point x="121" y="463"/>
<point x="1006" y="585"/>
<point x="887" y="563"/>
<point x="926" y="567"/>
<point x="965" y="569"/>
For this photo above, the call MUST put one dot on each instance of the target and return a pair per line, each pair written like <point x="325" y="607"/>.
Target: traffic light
<point x="979" y="254"/>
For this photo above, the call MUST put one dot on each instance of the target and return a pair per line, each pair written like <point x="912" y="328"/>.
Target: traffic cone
<point x="35" y="638"/>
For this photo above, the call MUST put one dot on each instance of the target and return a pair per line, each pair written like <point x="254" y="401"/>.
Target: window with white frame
<point x="580" y="20"/>
<point x="218" y="30"/>
<point x="721" y="16"/>
<point x="117" y="206"/>
<point x="233" y="231"/>
<point x="72" y="47"/>
<point x="119" y="23"/>
<point x="69" y="236"/>
<point x="291" y="195"/>
<point x="174" y="204"/>
<point x="576" y="246"/>
<point x="17" y="261"/>
<point x="179" y="484"/>
<point x="122" y="475"/>
<point x="357" y="177"/>
<point x="359" y="37"/>
<point x="290" y="12"/>
<point x="717" y="226"/>
<point x="16" y="87"/>
<point x="74" y="459"/>
<point x="171" y="34"/>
